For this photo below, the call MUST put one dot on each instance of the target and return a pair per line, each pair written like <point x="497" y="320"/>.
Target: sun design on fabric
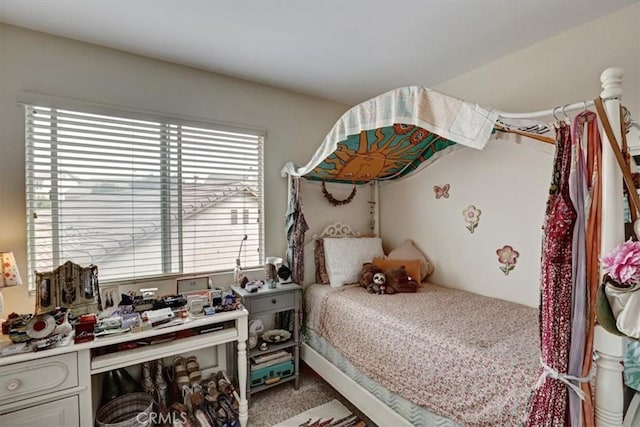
<point x="379" y="153"/>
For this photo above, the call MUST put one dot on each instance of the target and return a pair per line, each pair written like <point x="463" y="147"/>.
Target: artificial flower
<point x="622" y="264"/>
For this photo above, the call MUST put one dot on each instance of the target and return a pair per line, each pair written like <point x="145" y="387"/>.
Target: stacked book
<point x="265" y="360"/>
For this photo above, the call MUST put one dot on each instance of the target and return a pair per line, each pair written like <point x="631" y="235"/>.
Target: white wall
<point x="509" y="182"/>
<point x="35" y="62"/>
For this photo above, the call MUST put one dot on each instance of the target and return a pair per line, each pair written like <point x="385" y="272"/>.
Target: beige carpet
<point x="279" y="403"/>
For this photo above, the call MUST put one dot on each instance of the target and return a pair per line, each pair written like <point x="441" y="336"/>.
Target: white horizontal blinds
<point x="221" y="173"/>
<point x="139" y="198"/>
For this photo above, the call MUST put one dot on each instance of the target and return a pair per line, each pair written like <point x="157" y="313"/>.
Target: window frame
<point x="29" y="99"/>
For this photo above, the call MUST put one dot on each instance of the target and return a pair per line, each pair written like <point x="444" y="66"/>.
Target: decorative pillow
<point x="412" y="266"/>
<point x="321" y="268"/>
<point x="409" y="251"/>
<point x="344" y="257"/>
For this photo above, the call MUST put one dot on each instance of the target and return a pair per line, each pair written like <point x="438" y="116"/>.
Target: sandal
<point x="212" y="392"/>
<point x="180" y="372"/>
<point x="193" y="370"/>
<point x="226" y="405"/>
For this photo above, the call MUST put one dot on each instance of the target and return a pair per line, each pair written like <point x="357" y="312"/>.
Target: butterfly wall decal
<point x="441" y="191"/>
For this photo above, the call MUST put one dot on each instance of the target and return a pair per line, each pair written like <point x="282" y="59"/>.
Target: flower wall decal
<point x="507" y="256"/>
<point x="472" y="217"/>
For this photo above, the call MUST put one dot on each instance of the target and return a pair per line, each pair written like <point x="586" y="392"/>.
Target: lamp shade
<point x="9" y="269"/>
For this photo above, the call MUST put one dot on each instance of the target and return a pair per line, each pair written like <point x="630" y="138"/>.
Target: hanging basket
<point x="128" y="410"/>
<point x="604" y="314"/>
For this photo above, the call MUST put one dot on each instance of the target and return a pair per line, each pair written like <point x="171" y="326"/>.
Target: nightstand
<point x="279" y="363"/>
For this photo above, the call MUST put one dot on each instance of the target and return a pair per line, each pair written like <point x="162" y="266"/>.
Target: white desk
<point x="58" y="381"/>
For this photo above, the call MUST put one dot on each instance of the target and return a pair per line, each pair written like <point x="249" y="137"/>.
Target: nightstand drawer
<point x="27" y="379"/>
<point x="283" y="301"/>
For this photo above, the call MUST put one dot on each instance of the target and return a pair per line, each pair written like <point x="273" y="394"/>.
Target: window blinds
<point x="140" y="198"/>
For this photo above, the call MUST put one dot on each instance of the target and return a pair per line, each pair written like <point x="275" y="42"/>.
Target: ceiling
<point x="342" y="50"/>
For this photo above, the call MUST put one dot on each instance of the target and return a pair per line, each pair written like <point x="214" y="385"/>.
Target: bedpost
<point x="375" y="212"/>
<point x="609" y="348"/>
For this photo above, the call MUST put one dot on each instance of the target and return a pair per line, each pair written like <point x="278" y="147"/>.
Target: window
<point x="234" y="216"/>
<point x="140" y="198"/>
<point x="245" y="216"/>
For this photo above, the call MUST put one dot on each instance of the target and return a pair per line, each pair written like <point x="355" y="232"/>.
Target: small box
<point x="84" y="332"/>
<point x="280" y="370"/>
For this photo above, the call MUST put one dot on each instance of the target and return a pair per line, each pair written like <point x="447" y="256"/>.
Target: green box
<point x="280" y="370"/>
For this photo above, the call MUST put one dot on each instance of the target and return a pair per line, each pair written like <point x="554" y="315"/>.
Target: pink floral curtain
<point x="548" y="404"/>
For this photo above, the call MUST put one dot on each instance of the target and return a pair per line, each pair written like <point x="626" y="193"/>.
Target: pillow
<point x="321" y="268"/>
<point x="344" y="257"/>
<point x="412" y="266"/>
<point x="409" y="251"/>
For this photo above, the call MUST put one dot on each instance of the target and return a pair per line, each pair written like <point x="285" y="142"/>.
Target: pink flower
<point x="622" y="264"/>
<point x="507" y="255"/>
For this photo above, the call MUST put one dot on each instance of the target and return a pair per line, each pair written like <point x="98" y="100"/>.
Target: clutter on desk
<point x="32" y="333"/>
<point x="60" y="326"/>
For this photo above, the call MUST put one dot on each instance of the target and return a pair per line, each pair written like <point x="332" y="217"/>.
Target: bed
<point x="347" y="329"/>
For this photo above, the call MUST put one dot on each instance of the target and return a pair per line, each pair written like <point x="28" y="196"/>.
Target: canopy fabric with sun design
<point x="395" y="134"/>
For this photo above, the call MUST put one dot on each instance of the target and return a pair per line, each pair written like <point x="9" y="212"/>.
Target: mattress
<point x="462" y="356"/>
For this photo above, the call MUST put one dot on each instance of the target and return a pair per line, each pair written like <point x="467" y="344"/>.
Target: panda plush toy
<point x="379" y="284"/>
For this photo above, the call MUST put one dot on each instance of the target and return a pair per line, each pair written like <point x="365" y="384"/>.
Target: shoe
<point x="212" y="391"/>
<point x="193" y="370"/>
<point x="180" y="372"/>
<point x="223" y="385"/>
<point x="226" y="404"/>
<point x="147" y="382"/>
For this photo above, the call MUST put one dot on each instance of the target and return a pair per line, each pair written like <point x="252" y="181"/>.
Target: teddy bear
<point x="399" y="281"/>
<point x="396" y="279"/>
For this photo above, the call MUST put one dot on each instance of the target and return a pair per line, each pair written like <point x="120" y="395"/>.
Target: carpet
<point x="332" y="413"/>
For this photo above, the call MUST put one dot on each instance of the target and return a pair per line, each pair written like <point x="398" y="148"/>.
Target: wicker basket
<point x="125" y="410"/>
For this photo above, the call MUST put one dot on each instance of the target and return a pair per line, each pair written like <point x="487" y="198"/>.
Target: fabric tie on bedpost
<point x="548" y="371"/>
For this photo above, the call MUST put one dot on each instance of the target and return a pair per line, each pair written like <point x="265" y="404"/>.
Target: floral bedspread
<point x="470" y="358"/>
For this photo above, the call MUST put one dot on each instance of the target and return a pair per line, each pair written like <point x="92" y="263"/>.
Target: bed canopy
<point x="395" y="134"/>
<point x="401" y="131"/>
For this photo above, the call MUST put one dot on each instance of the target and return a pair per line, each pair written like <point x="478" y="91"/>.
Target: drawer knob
<point x="273" y="301"/>
<point x="13" y="385"/>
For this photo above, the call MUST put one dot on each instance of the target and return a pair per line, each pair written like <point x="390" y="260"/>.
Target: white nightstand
<point x="266" y="301"/>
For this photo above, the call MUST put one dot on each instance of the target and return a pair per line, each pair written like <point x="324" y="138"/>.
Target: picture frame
<point x="46" y="292"/>
<point x="109" y="297"/>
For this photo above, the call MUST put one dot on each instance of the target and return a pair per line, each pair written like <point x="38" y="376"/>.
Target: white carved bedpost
<point x="610" y="348"/>
<point x="375" y="200"/>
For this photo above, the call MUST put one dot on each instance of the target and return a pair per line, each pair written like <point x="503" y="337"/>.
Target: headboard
<point x="336" y="229"/>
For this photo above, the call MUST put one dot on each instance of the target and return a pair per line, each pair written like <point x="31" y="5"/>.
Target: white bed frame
<point x="609" y="349"/>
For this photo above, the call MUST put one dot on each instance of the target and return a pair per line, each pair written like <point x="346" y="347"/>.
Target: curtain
<point x="583" y="188"/>
<point x="295" y="229"/>
<point x="548" y="404"/>
<point x="594" y="208"/>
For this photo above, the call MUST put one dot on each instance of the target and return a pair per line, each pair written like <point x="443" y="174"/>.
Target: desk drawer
<point x="28" y="379"/>
<point x="277" y="302"/>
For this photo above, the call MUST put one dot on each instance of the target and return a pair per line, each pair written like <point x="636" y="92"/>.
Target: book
<point x="271" y="362"/>
<point x="269" y="356"/>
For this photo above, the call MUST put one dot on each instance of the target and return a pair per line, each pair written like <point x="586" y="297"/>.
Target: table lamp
<point x="10" y="274"/>
<point x="237" y="271"/>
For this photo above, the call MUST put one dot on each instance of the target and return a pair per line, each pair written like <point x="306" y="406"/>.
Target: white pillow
<point x="344" y="257"/>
